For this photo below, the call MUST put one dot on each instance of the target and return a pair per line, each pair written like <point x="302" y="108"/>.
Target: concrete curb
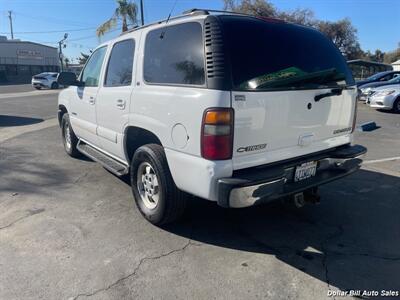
<point x="11" y="132"/>
<point x="367" y="126"/>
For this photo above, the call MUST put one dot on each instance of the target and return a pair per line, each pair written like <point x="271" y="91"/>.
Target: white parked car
<point x="227" y="107"/>
<point x="386" y="97"/>
<point x="45" y="80"/>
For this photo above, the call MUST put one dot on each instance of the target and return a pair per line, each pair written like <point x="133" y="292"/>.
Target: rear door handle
<point x="91" y="100"/>
<point x="121" y="104"/>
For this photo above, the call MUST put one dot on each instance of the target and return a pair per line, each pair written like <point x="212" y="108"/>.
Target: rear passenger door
<point x="113" y="100"/>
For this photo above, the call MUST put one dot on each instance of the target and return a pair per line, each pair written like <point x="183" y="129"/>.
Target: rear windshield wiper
<point x="333" y="92"/>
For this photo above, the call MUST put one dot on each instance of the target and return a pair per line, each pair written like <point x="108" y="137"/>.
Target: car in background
<point x="369" y="88"/>
<point x="386" y="97"/>
<point x="378" y="77"/>
<point x="45" y="80"/>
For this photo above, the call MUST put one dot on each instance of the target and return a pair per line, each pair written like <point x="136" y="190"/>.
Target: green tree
<point x="252" y="7"/>
<point x="126" y="11"/>
<point x="344" y="35"/>
<point x="392" y="56"/>
<point x="83" y="58"/>
<point x="341" y="32"/>
<point x="66" y="62"/>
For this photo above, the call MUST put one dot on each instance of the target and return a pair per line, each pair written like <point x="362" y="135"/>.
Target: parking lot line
<point x="367" y="162"/>
<point x="28" y="94"/>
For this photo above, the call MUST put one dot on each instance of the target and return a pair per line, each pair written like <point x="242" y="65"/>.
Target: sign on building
<point x="29" y="54"/>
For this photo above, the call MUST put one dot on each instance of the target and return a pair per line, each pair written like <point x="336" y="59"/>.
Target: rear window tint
<point x="270" y="53"/>
<point x="175" y="55"/>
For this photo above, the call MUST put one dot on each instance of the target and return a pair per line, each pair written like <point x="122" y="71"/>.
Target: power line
<point x="51" y="20"/>
<point x="52" y="31"/>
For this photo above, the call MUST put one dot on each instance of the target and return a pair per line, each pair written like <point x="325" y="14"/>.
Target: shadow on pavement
<point x="7" y="121"/>
<point x="387" y="111"/>
<point x="350" y="241"/>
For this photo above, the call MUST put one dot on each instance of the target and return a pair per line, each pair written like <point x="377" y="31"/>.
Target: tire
<point x="156" y="195"/>
<point x="37" y="87"/>
<point x="396" y="105"/>
<point x="54" y="86"/>
<point x="71" y="143"/>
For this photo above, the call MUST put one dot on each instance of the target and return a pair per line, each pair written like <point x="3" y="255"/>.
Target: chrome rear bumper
<point x="264" y="184"/>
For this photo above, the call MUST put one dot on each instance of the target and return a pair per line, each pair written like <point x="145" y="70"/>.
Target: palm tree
<point x="125" y="11"/>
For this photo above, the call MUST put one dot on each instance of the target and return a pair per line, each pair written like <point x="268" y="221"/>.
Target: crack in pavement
<point x="30" y="213"/>
<point x="393" y="258"/>
<point x="133" y="273"/>
<point x="325" y="252"/>
<point x="81" y="177"/>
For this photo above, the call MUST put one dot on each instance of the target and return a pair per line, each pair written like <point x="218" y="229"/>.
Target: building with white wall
<point x="396" y="65"/>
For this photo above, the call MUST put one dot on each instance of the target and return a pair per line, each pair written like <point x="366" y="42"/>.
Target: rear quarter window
<point x="175" y="55"/>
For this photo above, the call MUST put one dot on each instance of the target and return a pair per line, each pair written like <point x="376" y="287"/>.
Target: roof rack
<point x="189" y="13"/>
<point x="199" y="11"/>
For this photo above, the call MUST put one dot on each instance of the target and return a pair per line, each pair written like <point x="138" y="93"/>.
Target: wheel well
<point x="61" y="111"/>
<point x="136" y="137"/>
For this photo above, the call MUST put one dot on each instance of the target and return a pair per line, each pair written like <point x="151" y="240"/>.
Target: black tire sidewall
<point x="73" y="151"/>
<point x="54" y="85"/>
<point x="395" y="105"/>
<point x="145" y="154"/>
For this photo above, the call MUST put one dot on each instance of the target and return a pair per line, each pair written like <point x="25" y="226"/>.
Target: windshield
<point x="376" y="76"/>
<point x="266" y="55"/>
<point x="395" y="80"/>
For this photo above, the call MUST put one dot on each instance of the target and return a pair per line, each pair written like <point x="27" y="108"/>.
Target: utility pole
<point x="141" y="11"/>
<point x="11" y="27"/>
<point x="60" y="46"/>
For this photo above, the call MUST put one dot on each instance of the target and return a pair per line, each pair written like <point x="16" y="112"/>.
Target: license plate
<point x="305" y="171"/>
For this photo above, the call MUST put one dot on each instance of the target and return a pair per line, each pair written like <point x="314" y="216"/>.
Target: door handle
<point x="121" y="104"/>
<point x="91" y="100"/>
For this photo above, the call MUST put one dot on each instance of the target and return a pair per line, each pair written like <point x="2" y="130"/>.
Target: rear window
<point x="267" y="55"/>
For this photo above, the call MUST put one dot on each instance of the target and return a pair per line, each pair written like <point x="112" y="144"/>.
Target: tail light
<point x="217" y="134"/>
<point x="353" y="127"/>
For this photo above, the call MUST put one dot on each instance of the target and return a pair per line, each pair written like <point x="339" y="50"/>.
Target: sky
<point x="46" y="21"/>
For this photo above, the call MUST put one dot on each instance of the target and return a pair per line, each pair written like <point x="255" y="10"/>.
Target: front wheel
<point x="54" y="86"/>
<point x="156" y="195"/>
<point x="69" y="138"/>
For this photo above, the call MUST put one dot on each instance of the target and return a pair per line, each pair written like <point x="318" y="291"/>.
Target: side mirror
<point x="68" y="78"/>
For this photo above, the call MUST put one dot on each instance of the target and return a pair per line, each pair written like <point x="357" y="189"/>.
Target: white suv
<point x="231" y="108"/>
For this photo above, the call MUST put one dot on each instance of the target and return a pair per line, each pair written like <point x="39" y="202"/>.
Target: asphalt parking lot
<point x="69" y="228"/>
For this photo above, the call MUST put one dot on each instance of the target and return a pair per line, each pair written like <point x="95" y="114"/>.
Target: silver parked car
<point x="386" y="98"/>
<point x="45" y="80"/>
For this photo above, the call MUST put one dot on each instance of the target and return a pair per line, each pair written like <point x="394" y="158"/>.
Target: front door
<point x="83" y="108"/>
<point x="113" y="99"/>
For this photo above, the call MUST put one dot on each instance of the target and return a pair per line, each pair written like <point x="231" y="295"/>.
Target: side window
<point x="120" y="64"/>
<point x="91" y="73"/>
<point x="175" y="55"/>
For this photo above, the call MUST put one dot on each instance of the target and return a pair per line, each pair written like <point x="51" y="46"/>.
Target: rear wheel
<point x="54" y="85"/>
<point x="69" y="138"/>
<point x="396" y="105"/>
<point x="156" y="195"/>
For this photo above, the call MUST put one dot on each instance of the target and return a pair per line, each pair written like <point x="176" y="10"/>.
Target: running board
<point x="106" y="161"/>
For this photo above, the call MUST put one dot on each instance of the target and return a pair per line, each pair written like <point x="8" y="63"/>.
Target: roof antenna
<point x="169" y="17"/>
